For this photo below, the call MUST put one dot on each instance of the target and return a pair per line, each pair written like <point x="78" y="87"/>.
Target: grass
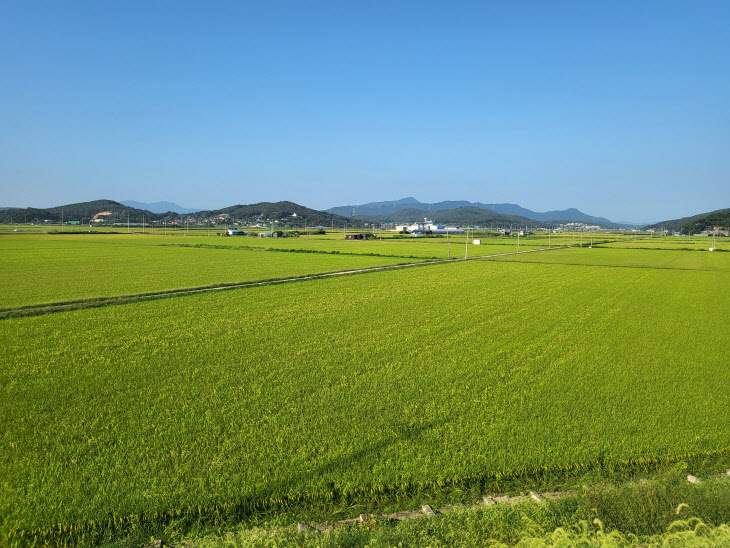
<point x="48" y="269"/>
<point x="661" y="511"/>
<point x="679" y="243"/>
<point x="427" y="248"/>
<point x="627" y="258"/>
<point x="358" y="389"/>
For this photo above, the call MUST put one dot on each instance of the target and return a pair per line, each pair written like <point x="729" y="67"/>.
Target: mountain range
<point x="159" y="207"/>
<point x="406" y="210"/>
<point x="384" y="211"/>
<point x="293" y="214"/>
<point x="696" y="223"/>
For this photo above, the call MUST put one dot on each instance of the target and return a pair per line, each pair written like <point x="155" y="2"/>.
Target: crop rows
<point x="49" y="271"/>
<point x="222" y="404"/>
<point x="627" y="258"/>
<point x="43" y="269"/>
<point x="405" y="246"/>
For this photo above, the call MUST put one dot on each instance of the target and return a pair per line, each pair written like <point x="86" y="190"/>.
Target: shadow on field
<point x="333" y="467"/>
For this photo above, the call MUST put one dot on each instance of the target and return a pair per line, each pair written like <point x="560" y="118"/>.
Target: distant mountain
<point x="383" y="208"/>
<point x="460" y="216"/>
<point x="696" y="223"/>
<point x="82" y="212"/>
<point x="288" y="213"/>
<point x="158" y="207"/>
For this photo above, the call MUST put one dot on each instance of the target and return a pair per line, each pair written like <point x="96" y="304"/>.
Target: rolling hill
<point x="82" y="212"/>
<point x="460" y="216"/>
<point x="696" y="223"/>
<point x="384" y="208"/>
<point x="159" y="207"/>
<point x="293" y="214"/>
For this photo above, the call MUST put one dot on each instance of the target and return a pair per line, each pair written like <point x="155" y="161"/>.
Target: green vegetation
<point x="697" y="223"/>
<point x="288" y="212"/>
<point x="651" y="513"/>
<point x="48" y="268"/>
<point x="82" y="212"/>
<point x="467" y="375"/>
<point x="291" y="213"/>
<point x="39" y="269"/>
<point x="471" y="216"/>
<point x="462" y="216"/>
<point x="472" y="530"/>
<point x="426" y="248"/>
<point x="629" y="258"/>
<point x="678" y="243"/>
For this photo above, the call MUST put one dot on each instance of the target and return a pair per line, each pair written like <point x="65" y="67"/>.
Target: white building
<point x="428" y="227"/>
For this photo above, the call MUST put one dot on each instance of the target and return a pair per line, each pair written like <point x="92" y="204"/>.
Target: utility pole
<point x="448" y="244"/>
<point x="466" y="245"/>
<point x="518" y="241"/>
<point x="549" y="231"/>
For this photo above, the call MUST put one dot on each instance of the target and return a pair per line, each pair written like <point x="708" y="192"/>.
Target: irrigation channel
<point x="97" y="302"/>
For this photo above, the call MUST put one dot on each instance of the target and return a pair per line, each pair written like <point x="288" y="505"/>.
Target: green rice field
<point x="82" y="267"/>
<point x="629" y="258"/>
<point x="42" y="269"/>
<point x="347" y="388"/>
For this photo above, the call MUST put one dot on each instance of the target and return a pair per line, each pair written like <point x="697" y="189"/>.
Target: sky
<point x="620" y="109"/>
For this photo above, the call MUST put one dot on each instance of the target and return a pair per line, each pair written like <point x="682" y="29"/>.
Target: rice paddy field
<point x="221" y="405"/>
<point x="46" y="269"/>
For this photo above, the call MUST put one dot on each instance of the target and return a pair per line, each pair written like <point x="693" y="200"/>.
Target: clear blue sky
<point x="621" y="109"/>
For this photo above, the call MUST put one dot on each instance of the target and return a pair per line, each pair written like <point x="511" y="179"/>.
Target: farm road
<point x="50" y="308"/>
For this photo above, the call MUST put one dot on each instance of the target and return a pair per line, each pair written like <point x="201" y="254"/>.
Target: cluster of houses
<point x="715" y="231"/>
<point x="272" y="234"/>
<point x="577" y="227"/>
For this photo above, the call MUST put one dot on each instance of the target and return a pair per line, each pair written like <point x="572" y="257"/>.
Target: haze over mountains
<point x="384" y="209"/>
<point x="116" y="212"/>
<point x="696" y="223"/>
<point x="406" y="210"/>
<point x="159" y="207"/>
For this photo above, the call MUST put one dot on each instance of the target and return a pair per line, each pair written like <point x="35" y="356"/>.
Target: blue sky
<point x="621" y="109"/>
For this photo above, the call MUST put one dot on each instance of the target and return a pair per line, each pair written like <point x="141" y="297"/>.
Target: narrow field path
<point x="488" y="499"/>
<point x="97" y="302"/>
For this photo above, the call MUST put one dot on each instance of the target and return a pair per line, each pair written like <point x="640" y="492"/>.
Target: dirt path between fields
<point x="487" y="500"/>
<point x="97" y="302"/>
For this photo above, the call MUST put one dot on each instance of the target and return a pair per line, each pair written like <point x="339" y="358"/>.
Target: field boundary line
<point x="488" y="499"/>
<point x="638" y="464"/>
<point x="98" y="302"/>
<point x="293" y="250"/>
